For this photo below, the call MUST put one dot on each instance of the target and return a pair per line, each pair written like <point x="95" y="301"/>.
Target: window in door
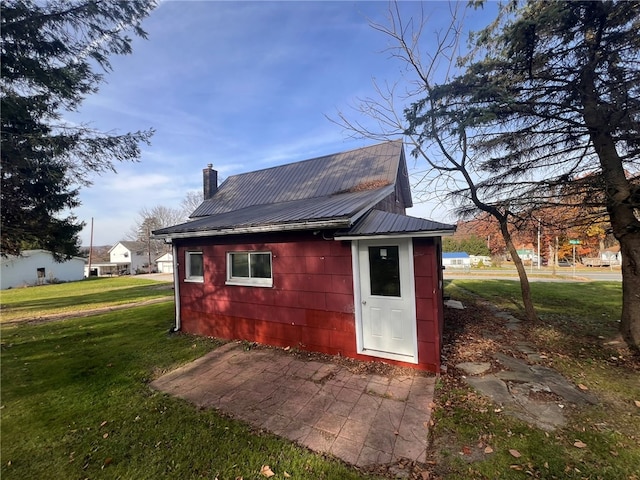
<point x="384" y="271"/>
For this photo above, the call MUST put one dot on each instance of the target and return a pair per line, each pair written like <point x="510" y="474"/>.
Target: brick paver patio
<point x="361" y="419"/>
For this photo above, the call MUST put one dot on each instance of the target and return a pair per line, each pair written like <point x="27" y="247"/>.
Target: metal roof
<point x="357" y="170"/>
<point x="380" y="223"/>
<point x="331" y="192"/>
<point x="455" y="255"/>
<point x="334" y="211"/>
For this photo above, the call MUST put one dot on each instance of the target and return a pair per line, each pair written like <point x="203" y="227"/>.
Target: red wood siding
<point x="311" y="303"/>
<point x="429" y="305"/>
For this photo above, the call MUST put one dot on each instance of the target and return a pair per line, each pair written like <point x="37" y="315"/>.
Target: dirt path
<point x="83" y="313"/>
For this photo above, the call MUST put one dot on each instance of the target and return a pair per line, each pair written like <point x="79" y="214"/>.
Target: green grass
<point x="76" y="404"/>
<point x="35" y="302"/>
<point x="578" y="321"/>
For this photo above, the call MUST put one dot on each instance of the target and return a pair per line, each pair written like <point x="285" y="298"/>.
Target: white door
<point x="387" y="306"/>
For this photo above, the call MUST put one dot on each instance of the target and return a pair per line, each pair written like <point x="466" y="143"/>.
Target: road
<point x="563" y="274"/>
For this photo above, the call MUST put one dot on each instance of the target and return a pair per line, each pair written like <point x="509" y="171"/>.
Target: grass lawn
<point x="35" y="302"/>
<point x="76" y="403"/>
<point x="578" y="336"/>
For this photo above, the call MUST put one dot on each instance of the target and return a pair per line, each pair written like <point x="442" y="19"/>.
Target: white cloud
<point x="241" y="85"/>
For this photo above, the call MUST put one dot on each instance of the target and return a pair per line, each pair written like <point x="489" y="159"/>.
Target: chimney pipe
<point x="209" y="181"/>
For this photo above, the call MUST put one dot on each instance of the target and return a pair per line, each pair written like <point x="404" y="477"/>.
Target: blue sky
<point x="241" y="85"/>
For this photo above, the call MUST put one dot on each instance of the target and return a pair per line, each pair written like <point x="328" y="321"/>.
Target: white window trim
<point x="249" y="281"/>
<point x="187" y="262"/>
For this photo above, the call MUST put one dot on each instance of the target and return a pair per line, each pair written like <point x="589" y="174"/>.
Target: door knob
<point x="364" y="302"/>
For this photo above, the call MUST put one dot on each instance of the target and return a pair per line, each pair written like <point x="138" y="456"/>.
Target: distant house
<point x="317" y="255"/>
<point x="477" y="260"/>
<point x="164" y="264"/>
<point x="456" y="260"/>
<point x="527" y="253"/>
<point x="608" y="257"/>
<point x="131" y="257"/>
<point x="612" y="255"/>
<point x="37" y="267"/>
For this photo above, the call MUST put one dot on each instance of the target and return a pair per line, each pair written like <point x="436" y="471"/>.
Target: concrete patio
<point x="363" y="419"/>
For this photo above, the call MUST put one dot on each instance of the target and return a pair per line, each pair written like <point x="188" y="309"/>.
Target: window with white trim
<point x="249" y="268"/>
<point x="194" y="267"/>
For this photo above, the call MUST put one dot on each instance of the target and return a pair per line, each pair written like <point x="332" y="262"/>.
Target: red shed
<point x="317" y="255"/>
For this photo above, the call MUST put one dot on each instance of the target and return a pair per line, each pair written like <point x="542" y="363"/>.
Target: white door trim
<point x="357" y="285"/>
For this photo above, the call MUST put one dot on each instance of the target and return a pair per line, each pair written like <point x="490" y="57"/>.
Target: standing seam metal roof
<point x="377" y="222"/>
<point x="334" y="207"/>
<point x="355" y="170"/>
<point x="326" y="192"/>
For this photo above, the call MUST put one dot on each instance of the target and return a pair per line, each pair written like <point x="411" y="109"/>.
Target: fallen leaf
<point x="488" y="450"/>
<point x="286" y="349"/>
<point x="637" y="402"/>
<point x="425" y="475"/>
<point x="266" y="471"/>
<point x="105" y="435"/>
<point x="103" y="423"/>
<point x="579" y="444"/>
<point x="582" y="387"/>
<point x="516" y="467"/>
<point x="614" y="453"/>
<point x="466" y="450"/>
<point x="515" y="453"/>
<point x="286" y="475"/>
<point x="108" y="460"/>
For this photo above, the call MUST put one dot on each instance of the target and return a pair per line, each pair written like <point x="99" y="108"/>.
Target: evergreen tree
<point x="553" y="97"/>
<point x="54" y="54"/>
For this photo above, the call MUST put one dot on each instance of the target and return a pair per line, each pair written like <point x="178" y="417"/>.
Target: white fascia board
<point x="434" y="233"/>
<point x="274" y="228"/>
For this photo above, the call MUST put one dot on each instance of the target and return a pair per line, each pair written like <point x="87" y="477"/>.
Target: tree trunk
<point x="620" y="204"/>
<point x="525" y="288"/>
<point x="630" y="318"/>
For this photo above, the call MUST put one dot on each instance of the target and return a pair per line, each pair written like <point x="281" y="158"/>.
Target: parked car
<point x="565" y="263"/>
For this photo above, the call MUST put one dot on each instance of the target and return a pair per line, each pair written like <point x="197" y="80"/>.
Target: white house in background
<point x="37" y="267"/>
<point x="164" y="264"/>
<point x="131" y="257"/>
<point x="456" y="260"/>
<point x="477" y="259"/>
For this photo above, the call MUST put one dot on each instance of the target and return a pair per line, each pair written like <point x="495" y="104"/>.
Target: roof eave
<point x="268" y="228"/>
<point x="337" y="223"/>
<point x="427" y="234"/>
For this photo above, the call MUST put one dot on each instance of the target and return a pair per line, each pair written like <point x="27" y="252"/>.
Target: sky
<point x="243" y="86"/>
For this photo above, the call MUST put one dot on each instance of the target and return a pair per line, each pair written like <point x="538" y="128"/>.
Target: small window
<point x="249" y="268"/>
<point x="384" y="271"/>
<point x="195" y="267"/>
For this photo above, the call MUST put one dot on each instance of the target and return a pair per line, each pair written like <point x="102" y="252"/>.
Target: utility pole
<point x="538" y="244"/>
<point x="149" y="248"/>
<point x="90" y="249"/>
